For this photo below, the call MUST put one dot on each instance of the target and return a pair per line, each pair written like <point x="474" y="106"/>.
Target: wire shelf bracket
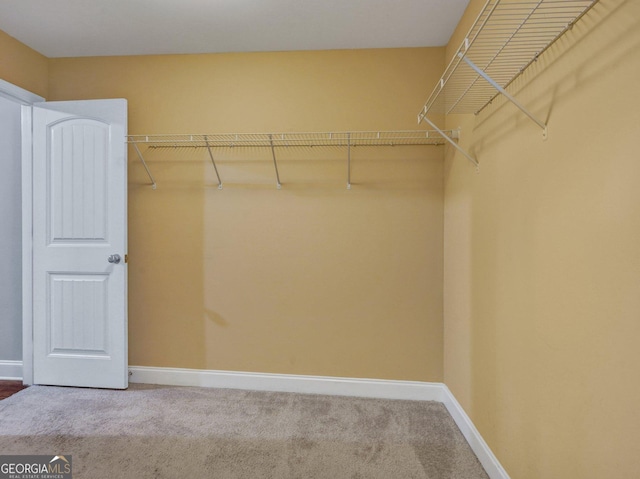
<point x="144" y="163"/>
<point x="454" y="144"/>
<point x="275" y="163"/>
<point x="506" y="37"/>
<point x="213" y="162"/>
<point x="273" y="141"/>
<point x="348" y="161"/>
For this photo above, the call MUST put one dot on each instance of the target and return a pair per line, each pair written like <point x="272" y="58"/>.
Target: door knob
<point x="114" y="258"/>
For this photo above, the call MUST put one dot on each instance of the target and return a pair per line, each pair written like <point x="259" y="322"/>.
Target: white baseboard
<point x="11" y="370"/>
<point x="478" y="445"/>
<point x="372" y="388"/>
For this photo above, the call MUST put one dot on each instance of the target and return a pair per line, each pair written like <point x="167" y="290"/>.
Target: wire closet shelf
<point x="273" y="141"/>
<point x="506" y="37"/>
<point x="266" y="140"/>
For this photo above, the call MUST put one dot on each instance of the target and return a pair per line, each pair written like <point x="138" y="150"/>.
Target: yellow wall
<point x="542" y="264"/>
<point x="311" y="279"/>
<point x="23" y="66"/>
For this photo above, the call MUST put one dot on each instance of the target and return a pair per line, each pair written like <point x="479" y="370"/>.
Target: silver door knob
<point x="114" y="258"/>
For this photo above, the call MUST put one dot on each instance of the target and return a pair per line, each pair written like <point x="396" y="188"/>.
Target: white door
<point x="79" y="232"/>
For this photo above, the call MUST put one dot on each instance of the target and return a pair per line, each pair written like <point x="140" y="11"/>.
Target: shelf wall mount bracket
<point x="153" y="182"/>
<point x="275" y="163"/>
<point x="348" y="161"/>
<point x="506" y="94"/>
<point x="206" y="141"/>
<point x="423" y="117"/>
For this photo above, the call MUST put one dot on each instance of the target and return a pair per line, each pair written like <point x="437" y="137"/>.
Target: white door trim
<point x="27" y="245"/>
<point x="26" y="99"/>
<point x="17" y="94"/>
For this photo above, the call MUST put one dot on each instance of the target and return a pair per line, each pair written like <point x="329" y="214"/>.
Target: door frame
<point x="26" y="99"/>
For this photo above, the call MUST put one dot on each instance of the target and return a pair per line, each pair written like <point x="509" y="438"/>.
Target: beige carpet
<point x="172" y="432"/>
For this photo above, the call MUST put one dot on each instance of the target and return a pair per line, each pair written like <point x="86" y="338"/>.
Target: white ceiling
<point x="71" y="28"/>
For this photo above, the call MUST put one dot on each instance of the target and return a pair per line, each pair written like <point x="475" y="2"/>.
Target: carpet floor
<point x="175" y="432"/>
